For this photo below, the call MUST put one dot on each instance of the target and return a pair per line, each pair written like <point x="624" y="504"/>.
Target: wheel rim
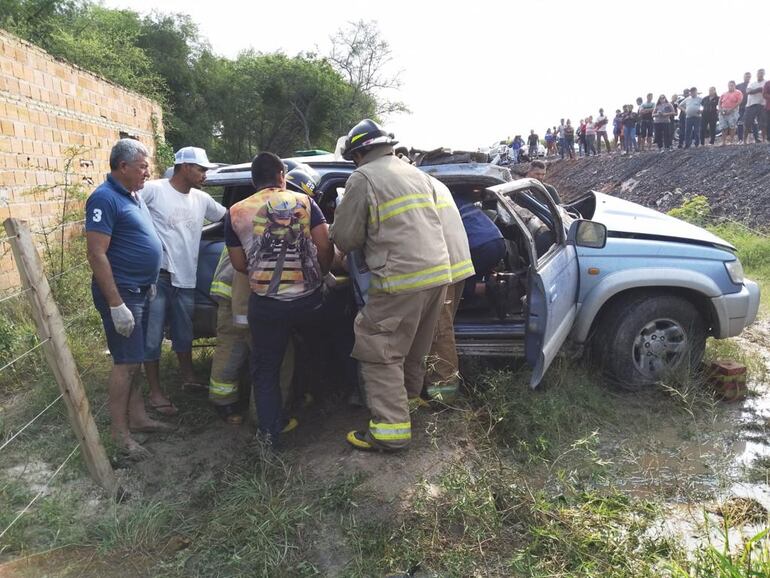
<point x="659" y="347"/>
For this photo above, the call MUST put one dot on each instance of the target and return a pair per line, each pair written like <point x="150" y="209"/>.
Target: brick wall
<point x="57" y="123"/>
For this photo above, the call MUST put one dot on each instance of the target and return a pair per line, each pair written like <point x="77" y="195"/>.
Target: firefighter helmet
<point x="365" y="135"/>
<point x="302" y="180"/>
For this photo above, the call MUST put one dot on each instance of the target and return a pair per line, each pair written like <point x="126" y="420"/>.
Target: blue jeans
<point x="124" y="350"/>
<point x="692" y="131"/>
<point x="271" y="323"/>
<point x="629" y="139"/>
<point x="176" y="305"/>
<point x="682" y="130"/>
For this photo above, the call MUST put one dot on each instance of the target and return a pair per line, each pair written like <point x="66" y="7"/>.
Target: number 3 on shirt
<point x="97" y="215"/>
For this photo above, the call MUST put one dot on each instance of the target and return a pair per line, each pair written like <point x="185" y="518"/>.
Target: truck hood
<point x="623" y="216"/>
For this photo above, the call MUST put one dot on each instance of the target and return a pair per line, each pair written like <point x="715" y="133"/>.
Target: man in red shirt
<point x="729" y="105"/>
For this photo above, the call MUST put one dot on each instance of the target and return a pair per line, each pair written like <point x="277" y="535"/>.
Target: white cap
<point x="193" y="156"/>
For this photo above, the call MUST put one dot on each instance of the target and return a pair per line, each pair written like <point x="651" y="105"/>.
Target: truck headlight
<point x="735" y="270"/>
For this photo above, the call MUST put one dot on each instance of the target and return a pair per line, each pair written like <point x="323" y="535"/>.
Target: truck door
<point x="553" y="273"/>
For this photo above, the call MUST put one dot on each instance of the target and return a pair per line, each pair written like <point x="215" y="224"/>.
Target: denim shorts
<point x="729" y="120"/>
<point x="124" y="350"/>
<point x="175" y="305"/>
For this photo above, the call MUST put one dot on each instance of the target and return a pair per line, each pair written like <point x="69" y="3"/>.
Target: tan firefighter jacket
<point x="390" y="211"/>
<point x="454" y="233"/>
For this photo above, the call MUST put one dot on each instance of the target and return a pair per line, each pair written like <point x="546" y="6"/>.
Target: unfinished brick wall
<point x="57" y="123"/>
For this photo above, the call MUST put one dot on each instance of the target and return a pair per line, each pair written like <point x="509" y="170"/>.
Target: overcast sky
<point x="476" y="72"/>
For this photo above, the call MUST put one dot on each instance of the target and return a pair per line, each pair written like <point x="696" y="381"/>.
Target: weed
<point x="751" y="561"/>
<point x="140" y="527"/>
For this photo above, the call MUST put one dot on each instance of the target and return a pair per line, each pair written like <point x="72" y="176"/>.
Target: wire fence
<point x="81" y="311"/>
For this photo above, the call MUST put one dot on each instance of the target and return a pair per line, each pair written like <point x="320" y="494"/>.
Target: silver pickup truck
<point x="637" y="289"/>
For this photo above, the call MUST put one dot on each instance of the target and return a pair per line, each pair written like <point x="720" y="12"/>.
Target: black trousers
<point x="663" y="134"/>
<point x="709" y="123"/>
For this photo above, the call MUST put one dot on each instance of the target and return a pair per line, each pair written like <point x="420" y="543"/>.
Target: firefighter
<point x="231" y="291"/>
<point x="442" y="379"/>
<point x="390" y="212"/>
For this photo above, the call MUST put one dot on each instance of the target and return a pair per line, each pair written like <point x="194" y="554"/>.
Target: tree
<point x="362" y="57"/>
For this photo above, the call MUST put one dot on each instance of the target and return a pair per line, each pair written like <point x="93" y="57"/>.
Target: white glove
<point x="122" y="319"/>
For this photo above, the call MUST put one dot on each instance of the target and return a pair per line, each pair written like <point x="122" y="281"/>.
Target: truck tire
<point x="642" y="340"/>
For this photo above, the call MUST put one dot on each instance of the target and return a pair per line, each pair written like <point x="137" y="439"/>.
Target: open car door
<point x="552" y="285"/>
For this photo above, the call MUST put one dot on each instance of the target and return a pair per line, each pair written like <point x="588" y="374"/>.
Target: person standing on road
<point x="617" y="130"/>
<point x="729" y="105"/>
<point x="280" y="239"/>
<point x="742" y="88"/>
<point x="647" y="132"/>
<point x="178" y="211"/>
<point x="390" y="212"/>
<point x="630" y="119"/>
<point x="661" y="116"/>
<point x="692" y="106"/>
<point x="124" y="253"/>
<point x="754" y="115"/>
<point x="601" y="131"/>
<point x="532" y="141"/>
<point x="766" y="95"/>
<point x="710" y="105"/>
<point x="569" y="139"/>
<point x="590" y="136"/>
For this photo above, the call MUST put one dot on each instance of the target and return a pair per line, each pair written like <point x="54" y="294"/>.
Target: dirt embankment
<point x="735" y="179"/>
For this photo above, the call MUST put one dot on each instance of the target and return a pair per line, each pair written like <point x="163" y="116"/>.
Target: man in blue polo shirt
<point x="124" y="252"/>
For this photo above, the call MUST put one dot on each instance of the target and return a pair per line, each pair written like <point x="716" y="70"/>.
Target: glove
<point x="122" y="319"/>
<point x="152" y="292"/>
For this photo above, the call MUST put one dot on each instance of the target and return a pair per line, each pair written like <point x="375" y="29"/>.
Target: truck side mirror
<point x="587" y="234"/>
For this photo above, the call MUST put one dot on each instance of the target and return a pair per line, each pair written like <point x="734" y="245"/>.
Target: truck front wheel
<point x="644" y="340"/>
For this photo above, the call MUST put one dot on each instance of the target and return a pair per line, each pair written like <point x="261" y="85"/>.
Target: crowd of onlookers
<point x="691" y="119"/>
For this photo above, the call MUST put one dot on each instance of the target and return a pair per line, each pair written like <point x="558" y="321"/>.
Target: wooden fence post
<point x="50" y="328"/>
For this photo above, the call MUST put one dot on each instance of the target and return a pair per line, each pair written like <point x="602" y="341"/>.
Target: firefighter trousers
<point x="442" y="377"/>
<point x="393" y="337"/>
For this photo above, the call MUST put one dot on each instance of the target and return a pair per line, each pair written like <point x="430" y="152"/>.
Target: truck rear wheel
<point x="644" y="340"/>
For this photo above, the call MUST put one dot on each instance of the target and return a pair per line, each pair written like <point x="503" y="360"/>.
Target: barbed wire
<point x="17" y="294"/>
<point x="30" y="422"/>
<point x="25" y="354"/>
<point x="47" y="231"/>
<point x="41" y="492"/>
<point x="6" y="239"/>
<point x="59" y="275"/>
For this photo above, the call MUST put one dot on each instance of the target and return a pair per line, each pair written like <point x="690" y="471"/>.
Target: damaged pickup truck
<point x="638" y="290"/>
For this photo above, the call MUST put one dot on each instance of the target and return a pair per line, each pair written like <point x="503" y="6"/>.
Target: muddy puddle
<point x="710" y="470"/>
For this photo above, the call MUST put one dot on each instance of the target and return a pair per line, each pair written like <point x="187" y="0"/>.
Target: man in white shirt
<point x="178" y="211"/>
<point x="755" y="109"/>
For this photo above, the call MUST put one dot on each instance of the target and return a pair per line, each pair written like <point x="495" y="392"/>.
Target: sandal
<point x="167" y="409"/>
<point x="229" y="413"/>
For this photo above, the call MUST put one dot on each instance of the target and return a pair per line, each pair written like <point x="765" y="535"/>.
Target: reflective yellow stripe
<point x="462" y="270"/>
<point x="435" y="275"/>
<point x="407" y="202"/>
<point x="219" y="388"/>
<point x="358" y="136"/>
<point x="391" y="431"/>
<point x="443" y="205"/>
<point x="222" y="289"/>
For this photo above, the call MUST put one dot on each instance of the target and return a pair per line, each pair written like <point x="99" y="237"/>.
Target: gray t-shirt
<point x="660" y="110"/>
<point x="178" y="219"/>
<point x="692" y="106"/>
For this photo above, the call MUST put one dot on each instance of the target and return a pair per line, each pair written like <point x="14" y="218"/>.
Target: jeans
<point x="629" y="139"/>
<point x="591" y="144"/>
<point x="176" y="305"/>
<point x="562" y="146"/>
<point x="271" y="322"/>
<point x="569" y="144"/>
<point x="663" y="134"/>
<point x="682" y="130"/>
<point x="708" y="125"/>
<point x="692" y="131"/>
<point x="485" y="257"/>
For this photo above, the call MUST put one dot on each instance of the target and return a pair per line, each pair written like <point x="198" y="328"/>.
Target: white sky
<point x="476" y="72"/>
